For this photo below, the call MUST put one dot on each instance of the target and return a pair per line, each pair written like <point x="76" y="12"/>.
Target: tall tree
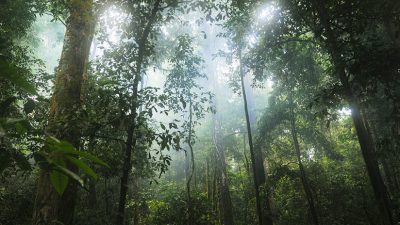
<point x="182" y="83"/>
<point x="367" y="147"/>
<point x="223" y="182"/>
<point x="142" y="54"/>
<point x="262" y="201"/>
<point x="66" y="106"/>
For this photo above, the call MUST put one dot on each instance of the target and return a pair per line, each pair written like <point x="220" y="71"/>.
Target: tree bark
<point x="66" y="104"/>
<point x="131" y="133"/>
<point x="392" y="27"/>
<point x="367" y="148"/>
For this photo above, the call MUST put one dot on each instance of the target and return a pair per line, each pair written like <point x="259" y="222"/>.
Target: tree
<point x="66" y="106"/>
<point x="137" y="73"/>
<point x="182" y="82"/>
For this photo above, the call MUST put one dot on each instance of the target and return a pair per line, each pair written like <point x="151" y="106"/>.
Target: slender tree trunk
<point x="367" y="148"/>
<point x="208" y="183"/>
<point x="136" y="199"/>
<point x="192" y="165"/>
<point x="132" y="138"/>
<point x="384" y="161"/>
<point x="125" y="175"/>
<point x="303" y="176"/>
<point x="66" y="103"/>
<point x="263" y="209"/>
<point x="92" y="194"/>
<point x="214" y="190"/>
<point x="107" y="196"/>
<point x="92" y="182"/>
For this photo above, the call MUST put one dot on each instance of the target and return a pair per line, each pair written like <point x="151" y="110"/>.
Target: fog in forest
<point x="199" y="112"/>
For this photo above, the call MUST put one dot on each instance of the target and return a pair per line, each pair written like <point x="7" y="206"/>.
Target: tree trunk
<point x="131" y="133"/>
<point x="136" y="199"/>
<point x="303" y="176"/>
<point x="262" y="205"/>
<point x="225" y="200"/>
<point x="214" y="190"/>
<point x="392" y="26"/>
<point x="367" y="148"/>
<point x="66" y="103"/>
<point x="192" y="166"/>
<point x="208" y="183"/>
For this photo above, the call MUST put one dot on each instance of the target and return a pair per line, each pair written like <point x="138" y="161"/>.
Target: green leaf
<point x="86" y="155"/>
<point x="163" y="126"/>
<point x="83" y="166"/>
<point x="13" y="120"/>
<point x="20" y="128"/>
<point x="29" y="106"/>
<point x="59" y="181"/>
<point x="183" y="102"/>
<point x="71" y="174"/>
<point x="67" y="148"/>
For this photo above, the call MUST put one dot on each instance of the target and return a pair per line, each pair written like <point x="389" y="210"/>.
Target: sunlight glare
<point x="345" y="112"/>
<point x="267" y="12"/>
<point x="114" y="17"/>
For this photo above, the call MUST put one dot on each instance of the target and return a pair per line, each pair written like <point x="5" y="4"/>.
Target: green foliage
<point x="288" y="53"/>
<point x="172" y="206"/>
<point x="54" y="157"/>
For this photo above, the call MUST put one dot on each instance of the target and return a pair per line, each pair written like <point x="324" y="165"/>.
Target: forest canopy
<point x="200" y="112"/>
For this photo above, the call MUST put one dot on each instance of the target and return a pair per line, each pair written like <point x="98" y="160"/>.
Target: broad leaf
<point x="59" y="181"/>
<point x="83" y="166"/>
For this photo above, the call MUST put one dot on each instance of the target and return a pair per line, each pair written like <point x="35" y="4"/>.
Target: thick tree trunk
<point x="225" y="202"/>
<point x="64" y="122"/>
<point x="389" y="20"/>
<point x="262" y="203"/>
<point x="303" y="176"/>
<point x="367" y="148"/>
<point x="131" y="133"/>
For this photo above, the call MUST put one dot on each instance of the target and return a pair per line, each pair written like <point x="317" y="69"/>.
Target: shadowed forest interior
<point x="199" y="112"/>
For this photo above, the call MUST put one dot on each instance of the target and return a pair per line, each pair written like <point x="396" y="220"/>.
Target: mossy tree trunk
<point x="66" y="105"/>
